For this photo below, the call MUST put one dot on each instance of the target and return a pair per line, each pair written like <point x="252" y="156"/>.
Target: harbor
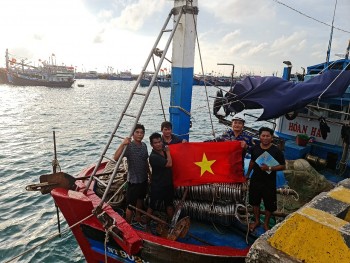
<point x="67" y="189"/>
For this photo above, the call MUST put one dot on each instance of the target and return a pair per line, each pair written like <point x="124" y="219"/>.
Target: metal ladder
<point x="134" y="92"/>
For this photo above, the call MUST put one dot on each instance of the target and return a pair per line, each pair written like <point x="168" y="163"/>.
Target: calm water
<point x="83" y="118"/>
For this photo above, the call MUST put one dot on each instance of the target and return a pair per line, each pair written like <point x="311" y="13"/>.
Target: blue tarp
<point x="278" y="96"/>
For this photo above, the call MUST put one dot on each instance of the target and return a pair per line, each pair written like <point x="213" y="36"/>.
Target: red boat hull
<point x="135" y="245"/>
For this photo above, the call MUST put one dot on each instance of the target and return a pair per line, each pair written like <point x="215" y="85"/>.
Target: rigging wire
<point x="312" y="18"/>
<point x="200" y="57"/>
<point x="159" y="93"/>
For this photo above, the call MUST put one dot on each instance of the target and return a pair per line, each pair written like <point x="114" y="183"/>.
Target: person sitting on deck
<point x="168" y="137"/>
<point x="162" y="188"/>
<point x="138" y="169"/>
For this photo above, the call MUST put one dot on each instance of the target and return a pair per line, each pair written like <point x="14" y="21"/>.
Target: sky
<point x="256" y="35"/>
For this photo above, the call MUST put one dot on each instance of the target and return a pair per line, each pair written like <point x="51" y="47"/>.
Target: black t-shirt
<point x="174" y="139"/>
<point x="161" y="175"/>
<point x="260" y="175"/>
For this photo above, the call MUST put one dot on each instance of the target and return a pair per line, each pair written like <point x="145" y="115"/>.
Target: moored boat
<point x="49" y="74"/>
<point x="92" y="74"/>
<point x="162" y="81"/>
<point x="313" y="107"/>
<point x="123" y="75"/>
<point x="216" y="232"/>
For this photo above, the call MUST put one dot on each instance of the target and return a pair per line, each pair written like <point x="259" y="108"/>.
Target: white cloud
<point x="254" y="35"/>
<point x="134" y="15"/>
<point x="228" y="38"/>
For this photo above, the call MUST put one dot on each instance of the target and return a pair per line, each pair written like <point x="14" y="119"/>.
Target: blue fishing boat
<point x="162" y="81"/>
<point x="123" y="75"/>
<point x="314" y="107"/>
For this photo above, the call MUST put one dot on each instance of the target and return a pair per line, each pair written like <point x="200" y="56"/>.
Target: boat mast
<point x="331" y="37"/>
<point x="7" y="59"/>
<point x="182" y="67"/>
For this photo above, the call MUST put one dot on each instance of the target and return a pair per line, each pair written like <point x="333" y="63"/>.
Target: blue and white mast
<point x="182" y="67"/>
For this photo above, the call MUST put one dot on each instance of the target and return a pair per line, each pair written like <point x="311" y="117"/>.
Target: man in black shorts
<point x="162" y="189"/>
<point x="137" y="157"/>
<point x="263" y="180"/>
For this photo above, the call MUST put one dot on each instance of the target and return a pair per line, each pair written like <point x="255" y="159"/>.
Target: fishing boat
<point x="209" y="80"/>
<point x="162" y="81"/>
<point x="92" y="74"/>
<point x="213" y="226"/>
<point x="310" y="112"/>
<point x="200" y="232"/>
<point x="49" y="74"/>
<point x="123" y="75"/>
<point x="3" y="76"/>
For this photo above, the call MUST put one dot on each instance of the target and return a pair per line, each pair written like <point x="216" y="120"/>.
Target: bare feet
<point x="252" y="226"/>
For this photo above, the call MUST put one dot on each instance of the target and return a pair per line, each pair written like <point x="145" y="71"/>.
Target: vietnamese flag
<point x="196" y="163"/>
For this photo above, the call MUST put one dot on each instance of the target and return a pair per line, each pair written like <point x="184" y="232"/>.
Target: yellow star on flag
<point x="205" y="165"/>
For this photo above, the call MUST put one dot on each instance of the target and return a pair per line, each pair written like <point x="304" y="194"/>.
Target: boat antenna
<point x="331" y="36"/>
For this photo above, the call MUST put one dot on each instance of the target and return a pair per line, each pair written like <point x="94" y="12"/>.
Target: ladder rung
<point x="140" y="93"/>
<point x="167" y="30"/>
<point x="100" y="181"/>
<point x="133" y="116"/>
<point x="109" y="158"/>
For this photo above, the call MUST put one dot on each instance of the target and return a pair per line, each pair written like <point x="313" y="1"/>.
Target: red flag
<point x="198" y="163"/>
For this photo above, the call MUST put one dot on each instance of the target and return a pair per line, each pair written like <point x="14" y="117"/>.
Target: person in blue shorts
<point x="263" y="180"/>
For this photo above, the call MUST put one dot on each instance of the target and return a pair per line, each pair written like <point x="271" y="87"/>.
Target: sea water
<point x="83" y="119"/>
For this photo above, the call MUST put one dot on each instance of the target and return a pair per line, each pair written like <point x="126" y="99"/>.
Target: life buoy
<point x="291" y="115"/>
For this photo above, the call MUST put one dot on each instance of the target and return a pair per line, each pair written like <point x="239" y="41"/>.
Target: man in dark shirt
<point x="162" y="189"/>
<point x="137" y="157"/>
<point x="263" y="180"/>
<point x="168" y="137"/>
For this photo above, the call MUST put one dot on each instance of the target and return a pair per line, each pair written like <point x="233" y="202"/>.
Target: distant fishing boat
<point x="3" y="76"/>
<point x="161" y="82"/>
<point x="210" y="80"/>
<point x="50" y="75"/>
<point x="92" y="74"/>
<point x="123" y="75"/>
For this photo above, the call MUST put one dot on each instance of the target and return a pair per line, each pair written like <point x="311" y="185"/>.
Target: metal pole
<point x="54" y="165"/>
